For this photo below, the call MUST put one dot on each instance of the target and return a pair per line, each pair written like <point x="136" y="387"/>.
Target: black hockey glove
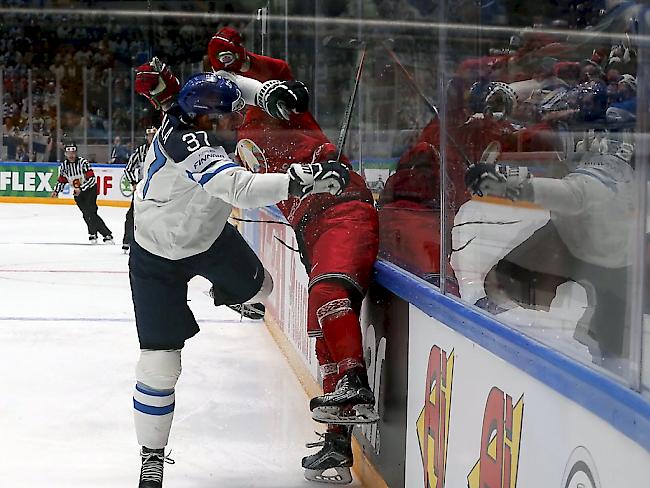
<point x="308" y="179"/>
<point x="280" y="98"/>
<point x="499" y="180"/>
<point x="483" y="178"/>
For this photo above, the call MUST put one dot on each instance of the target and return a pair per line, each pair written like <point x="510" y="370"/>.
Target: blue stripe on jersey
<point x="149" y="410"/>
<point x="151" y="392"/>
<point x="205" y="177"/>
<point x="157" y="163"/>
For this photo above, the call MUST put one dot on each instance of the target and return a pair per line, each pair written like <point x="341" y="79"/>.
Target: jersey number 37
<point x="192" y="140"/>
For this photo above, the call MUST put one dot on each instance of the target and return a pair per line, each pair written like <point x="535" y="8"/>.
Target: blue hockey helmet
<point x="209" y="94"/>
<point x="477" y="94"/>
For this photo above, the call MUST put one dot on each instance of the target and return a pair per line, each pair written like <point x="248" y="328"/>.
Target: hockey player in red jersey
<point x="338" y="239"/>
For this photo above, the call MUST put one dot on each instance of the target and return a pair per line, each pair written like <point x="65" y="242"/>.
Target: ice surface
<point x="69" y="349"/>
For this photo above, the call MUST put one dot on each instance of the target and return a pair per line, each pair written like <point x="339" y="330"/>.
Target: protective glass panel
<point x="498" y="141"/>
<point x="543" y="112"/>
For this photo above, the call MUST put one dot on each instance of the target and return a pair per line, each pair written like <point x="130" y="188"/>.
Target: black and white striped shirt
<point x="78" y="173"/>
<point x="133" y="170"/>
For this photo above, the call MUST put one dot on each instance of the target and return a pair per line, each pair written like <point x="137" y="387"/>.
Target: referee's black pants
<point x="87" y="203"/>
<point x="128" y="225"/>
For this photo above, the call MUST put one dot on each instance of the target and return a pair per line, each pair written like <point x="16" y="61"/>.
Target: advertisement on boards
<point x="111" y="184"/>
<point x="274" y="243"/>
<point x="476" y="421"/>
<point x="29" y="180"/>
<point x="384" y="325"/>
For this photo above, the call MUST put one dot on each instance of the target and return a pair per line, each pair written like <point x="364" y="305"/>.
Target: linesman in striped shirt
<point x="77" y="172"/>
<point x="133" y="173"/>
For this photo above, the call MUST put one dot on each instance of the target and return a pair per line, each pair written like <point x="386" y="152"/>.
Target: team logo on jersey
<point x="580" y="470"/>
<point x="433" y="421"/>
<point x="227" y="58"/>
<point x="126" y="189"/>
<point x="500" y="441"/>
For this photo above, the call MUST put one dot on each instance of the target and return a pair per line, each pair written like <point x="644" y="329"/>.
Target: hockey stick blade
<point x="251" y="155"/>
<point x="491" y="153"/>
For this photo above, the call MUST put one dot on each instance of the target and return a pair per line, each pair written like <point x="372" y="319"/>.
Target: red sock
<point x="339" y="323"/>
<point x="328" y="369"/>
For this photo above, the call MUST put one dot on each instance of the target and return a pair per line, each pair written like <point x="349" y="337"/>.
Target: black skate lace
<point x="319" y="443"/>
<point x="152" y="465"/>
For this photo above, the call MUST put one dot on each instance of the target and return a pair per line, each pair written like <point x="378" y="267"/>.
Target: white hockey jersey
<point x="593" y="207"/>
<point x="188" y="188"/>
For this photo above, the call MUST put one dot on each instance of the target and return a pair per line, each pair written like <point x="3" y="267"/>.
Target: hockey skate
<point x="108" y="239"/>
<point x="332" y="463"/>
<point x="352" y="402"/>
<point x="92" y="238"/>
<point x="125" y="248"/>
<point x="253" y="311"/>
<point x="151" y="472"/>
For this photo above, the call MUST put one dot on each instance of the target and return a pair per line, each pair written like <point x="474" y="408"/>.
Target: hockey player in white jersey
<point x="182" y="204"/>
<point x="586" y="240"/>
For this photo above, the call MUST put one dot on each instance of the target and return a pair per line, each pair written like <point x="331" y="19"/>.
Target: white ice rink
<point x="69" y="348"/>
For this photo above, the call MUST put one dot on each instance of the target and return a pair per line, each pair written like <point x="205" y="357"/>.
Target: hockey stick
<point x="347" y="116"/>
<point x="150" y="30"/>
<point x="423" y="96"/>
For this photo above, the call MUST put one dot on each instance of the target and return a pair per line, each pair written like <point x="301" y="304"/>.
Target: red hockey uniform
<point x="338" y="235"/>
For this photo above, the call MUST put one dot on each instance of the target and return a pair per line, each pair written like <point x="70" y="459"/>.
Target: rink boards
<point x="34" y="183"/>
<point x="464" y="399"/>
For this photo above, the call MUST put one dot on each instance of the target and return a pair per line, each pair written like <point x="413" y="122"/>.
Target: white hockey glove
<point x="307" y="179"/>
<point x="497" y="180"/>
<point x="281" y="98"/>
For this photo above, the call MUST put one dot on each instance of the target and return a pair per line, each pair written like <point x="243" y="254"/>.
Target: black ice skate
<point x="92" y="238"/>
<point x="351" y="403"/>
<point x="253" y="311"/>
<point x="151" y="473"/>
<point x="108" y="239"/>
<point x="332" y="463"/>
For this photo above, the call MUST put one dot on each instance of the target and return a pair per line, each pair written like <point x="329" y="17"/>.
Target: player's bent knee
<point x="264" y="291"/>
<point x="159" y="370"/>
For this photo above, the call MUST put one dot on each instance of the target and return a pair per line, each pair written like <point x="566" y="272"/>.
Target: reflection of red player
<point x="409" y="211"/>
<point x="338" y="238"/>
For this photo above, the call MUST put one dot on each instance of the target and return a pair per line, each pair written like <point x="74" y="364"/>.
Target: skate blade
<point x="359" y="414"/>
<point x="342" y="476"/>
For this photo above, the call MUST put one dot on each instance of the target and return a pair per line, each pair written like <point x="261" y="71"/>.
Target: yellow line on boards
<point x="363" y="468"/>
<point x="505" y="201"/>
<point x="62" y="201"/>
